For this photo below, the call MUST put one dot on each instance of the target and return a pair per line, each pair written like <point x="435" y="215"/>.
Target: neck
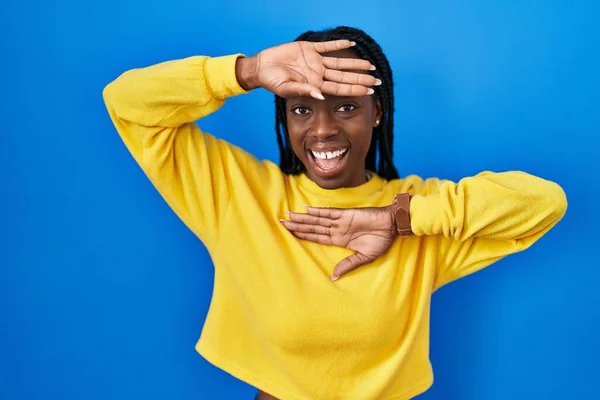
<point x="265" y="396"/>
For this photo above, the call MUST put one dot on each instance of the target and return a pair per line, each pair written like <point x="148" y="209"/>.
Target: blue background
<point x="103" y="291"/>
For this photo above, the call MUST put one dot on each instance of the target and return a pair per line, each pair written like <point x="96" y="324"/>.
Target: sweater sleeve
<point x="484" y="218"/>
<point x="154" y="110"/>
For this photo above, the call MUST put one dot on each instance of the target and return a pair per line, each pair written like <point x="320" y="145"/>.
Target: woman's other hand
<point x="367" y="231"/>
<point x="303" y="69"/>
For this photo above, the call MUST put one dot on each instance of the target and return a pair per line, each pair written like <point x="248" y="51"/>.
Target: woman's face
<point x="331" y="137"/>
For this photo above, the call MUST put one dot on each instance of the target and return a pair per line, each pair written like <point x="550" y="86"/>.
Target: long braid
<point x="381" y="150"/>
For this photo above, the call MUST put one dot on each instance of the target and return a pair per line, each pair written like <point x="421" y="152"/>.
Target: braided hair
<point x="383" y="134"/>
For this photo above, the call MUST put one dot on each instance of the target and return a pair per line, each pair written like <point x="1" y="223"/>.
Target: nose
<point x="325" y="125"/>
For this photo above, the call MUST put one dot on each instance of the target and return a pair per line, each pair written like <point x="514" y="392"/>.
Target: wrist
<point x="245" y="72"/>
<point x="391" y="210"/>
<point x="400" y="210"/>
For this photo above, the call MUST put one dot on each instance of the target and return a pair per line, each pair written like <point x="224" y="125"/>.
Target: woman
<point x="276" y="320"/>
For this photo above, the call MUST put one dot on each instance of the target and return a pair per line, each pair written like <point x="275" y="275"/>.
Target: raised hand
<point x="367" y="231"/>
<point x="300" y="69"/>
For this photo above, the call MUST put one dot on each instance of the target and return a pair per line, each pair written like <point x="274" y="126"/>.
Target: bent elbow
<point x="107" y="93"/>
<point x="558" y="201"/>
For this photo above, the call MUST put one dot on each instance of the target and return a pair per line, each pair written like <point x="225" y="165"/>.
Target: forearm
<point x="503" y="206"/>
<point x="173" y="93"/>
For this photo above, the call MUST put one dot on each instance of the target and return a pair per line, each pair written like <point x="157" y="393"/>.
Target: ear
<point x="378" y="114"/>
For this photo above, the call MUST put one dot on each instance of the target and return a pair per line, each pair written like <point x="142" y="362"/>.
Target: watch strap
<point x="402" y="214"/>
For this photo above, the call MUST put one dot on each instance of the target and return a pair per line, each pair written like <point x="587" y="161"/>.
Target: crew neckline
<point x="374" y="184"/>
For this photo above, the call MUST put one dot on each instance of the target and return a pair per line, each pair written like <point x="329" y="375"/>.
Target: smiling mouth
<point x="327" y="161"/>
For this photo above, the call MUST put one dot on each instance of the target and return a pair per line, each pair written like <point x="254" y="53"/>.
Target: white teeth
<point x="329" y="154"/>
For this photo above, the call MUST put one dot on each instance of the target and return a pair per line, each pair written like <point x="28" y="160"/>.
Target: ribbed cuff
<point x="220" y="76"/>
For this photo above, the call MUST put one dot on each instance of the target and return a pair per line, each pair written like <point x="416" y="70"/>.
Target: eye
<point x="299" y="110"/>
<point x="347" y="108"/>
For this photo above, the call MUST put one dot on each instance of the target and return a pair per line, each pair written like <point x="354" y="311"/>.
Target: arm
<point x="154" y="109"/>
<point x="483" y="218"/>
<point x="478" y="220"/>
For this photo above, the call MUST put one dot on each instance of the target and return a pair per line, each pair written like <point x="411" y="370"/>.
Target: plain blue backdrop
<point x="103" y="291"/>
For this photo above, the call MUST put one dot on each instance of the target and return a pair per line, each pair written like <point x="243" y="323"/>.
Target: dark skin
<point x="336" y="123"/>
<point x="330" y="109"/>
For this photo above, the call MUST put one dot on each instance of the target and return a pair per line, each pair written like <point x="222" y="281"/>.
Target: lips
<point x="328" y="162"/>
<point x="328" y="159"/>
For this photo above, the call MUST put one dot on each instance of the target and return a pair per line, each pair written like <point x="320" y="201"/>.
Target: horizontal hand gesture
<point x="367" y="231"/>
<point x="300" y="69"/>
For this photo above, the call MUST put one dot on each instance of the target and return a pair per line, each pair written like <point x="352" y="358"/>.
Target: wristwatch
<point x="401" y="211"/>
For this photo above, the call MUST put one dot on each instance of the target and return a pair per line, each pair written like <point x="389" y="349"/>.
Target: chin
<point x="329" y="184"/>
<point x="334" y="182"/>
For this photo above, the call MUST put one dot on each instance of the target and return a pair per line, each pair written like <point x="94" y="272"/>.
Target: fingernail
<point x="370" y="91"/>
<point x="377" y="82"/>
<point x="287" y="212"/>
<point x="334" y="278"/>
<point x="281" y="220"/>
<point x="306" y="206"/>
<point x="372" y="68"/>
<point x="317" y="95"/>
<point x="352" y="43"/>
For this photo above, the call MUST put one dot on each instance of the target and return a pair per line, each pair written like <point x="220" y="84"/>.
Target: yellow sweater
<point x="276" y="320"/>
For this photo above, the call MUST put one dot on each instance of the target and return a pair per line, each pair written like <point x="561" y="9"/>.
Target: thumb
<point x="348" y="264"/>
<point x="293" y="89"/>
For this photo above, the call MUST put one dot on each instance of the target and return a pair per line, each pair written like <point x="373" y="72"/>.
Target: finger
<point x="352" y="78"/>
<point x="305" y="228"/>
<point x="348" y="264"/>
<point x="347" y="64"/>
<point x="298" y="89"/>
<point x="311" y="219"/>
<point x="325" y="212"/>
<point x="344" y="89"/>
<point x="332" y="45"/>
<point x="314" y="237"/>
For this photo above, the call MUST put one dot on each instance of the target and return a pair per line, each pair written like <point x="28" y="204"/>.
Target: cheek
<point x="362" y="135"/>
<point x="364" y="142"/>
